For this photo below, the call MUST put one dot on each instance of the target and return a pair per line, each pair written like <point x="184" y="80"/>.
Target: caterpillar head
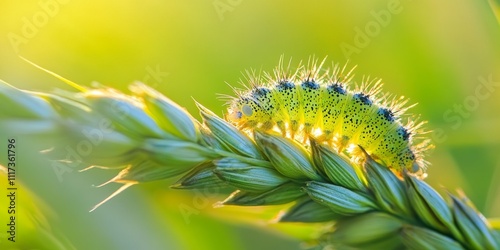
<point x="407" y="160"/>
<point x="244" y="112"/>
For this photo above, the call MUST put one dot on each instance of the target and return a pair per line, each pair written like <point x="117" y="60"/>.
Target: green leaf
<point x="201" y="176"/>
<point x="68" y="106"/>
<point x="247" y="177"/>
<point x="421" y="238"/>
<point x="308" y="210"/>
<point x="177" y="153"/>
<point x="22" y="104"/>
<point x="390" y="242"/>
<point x="430" y="206"/>
<point x="341" y="200"/>
<point x="338" y="168"/>
<point x="228" y="135"/>
<point x="365" y="229"/>
<point x="281" y="194"/>
<point x="149" y="171"/>
<point x="124" y="112"/>
<point x="208" y="139"/>
<point x="168" y="114"/>
<point x="388" y="189"/>
<point x="287" y="156"/>
<point x="473" y="227"/>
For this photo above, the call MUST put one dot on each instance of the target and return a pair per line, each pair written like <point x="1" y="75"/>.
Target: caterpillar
<point x="313" y="102"/>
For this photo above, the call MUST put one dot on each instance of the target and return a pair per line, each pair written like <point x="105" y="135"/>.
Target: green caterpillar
<point x="304" y="104"/>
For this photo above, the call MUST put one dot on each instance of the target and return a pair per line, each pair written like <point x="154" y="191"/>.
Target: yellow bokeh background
<point x="432" y="52"/>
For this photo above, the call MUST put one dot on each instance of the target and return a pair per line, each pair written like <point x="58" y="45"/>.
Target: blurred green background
<point x="433" y="52"/>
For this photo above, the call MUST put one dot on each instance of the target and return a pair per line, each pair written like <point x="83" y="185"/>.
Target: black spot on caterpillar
<point x="312" y="102"/>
